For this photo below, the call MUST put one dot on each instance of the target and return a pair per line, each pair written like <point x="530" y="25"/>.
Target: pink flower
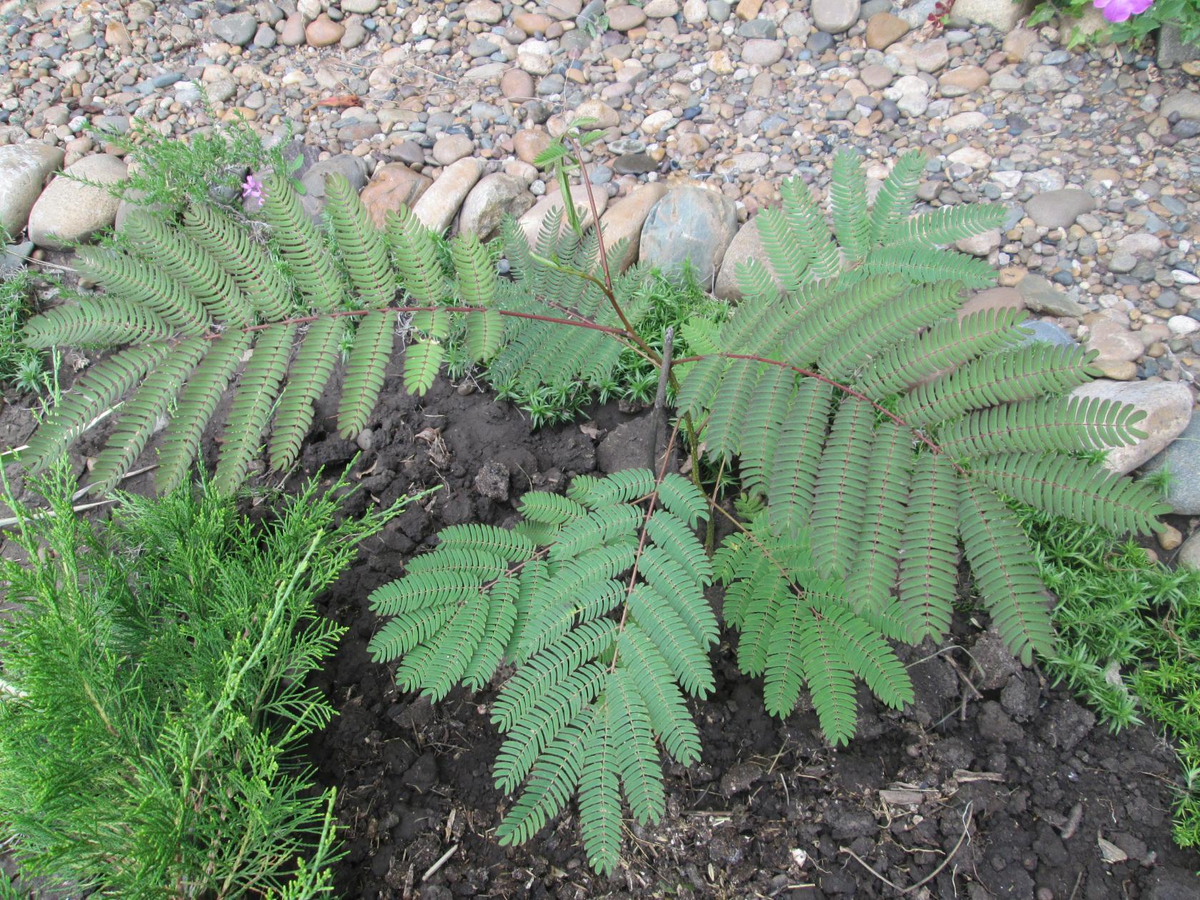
<point x="1120" y="10"/>
<point x="252" y="189"/>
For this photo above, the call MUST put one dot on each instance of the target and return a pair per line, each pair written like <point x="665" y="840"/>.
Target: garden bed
<point x="772" y="808"/>
<point x="993" y="784"/>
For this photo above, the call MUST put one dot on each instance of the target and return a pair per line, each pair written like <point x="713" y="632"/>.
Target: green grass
<point x="1129" y="640"/>
<point x="20" y="367"/>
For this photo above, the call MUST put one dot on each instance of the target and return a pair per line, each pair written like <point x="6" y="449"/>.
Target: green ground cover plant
<point x="1129" y="640"/>
<point x="153" y="701"/>
<point x="21" y="366"/>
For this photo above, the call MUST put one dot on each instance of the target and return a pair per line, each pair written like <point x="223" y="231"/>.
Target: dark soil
<point x="997" y="782"/>
<point x="1004" y="785"/>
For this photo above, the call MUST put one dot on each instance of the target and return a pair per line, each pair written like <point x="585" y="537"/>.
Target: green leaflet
<point x="365" y="370"/>
<point x="839" y="495"/>
<point x="196" y="406"/>
<point x="1005" y="574"/>
<point x="309" y="374"/>
<point x="251" y="409"/>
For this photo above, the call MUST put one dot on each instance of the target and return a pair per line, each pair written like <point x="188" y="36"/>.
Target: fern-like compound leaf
<point x="761" y="426"/>
<point x="929" y="548"/>
<point x="680" y="496"/>
<point x="309" y="374"/>
<point x="812" y="332"/>
<point x="128" y="278"/>
<point x="808" y="224"/>
<point x="552" y="509"/>
<point x="92" y="395"/>
<point x="99" y="322"/>
<point x="600" y="797"/>
<point x="508" y="545"/>
<point x="945" y="346"/>
<point x="669" y="717"/>
<point x="685" y="655"/>
<point x="363" y="249"/>
<point x="784" y="657"/>
<point x="872" y="576"/>
<point x="1075" y="489"/>
<point x="840" y="492"/>
<point x="724" y="435"/>
<point x="798" y="456"/>
<point x="922" y="265"/>
<point x="475" y="270"/>
<point x="485" y="334"/>
<point x="1054" y="424"/>
<point x="784" y="251"/>
<point x="830" y="679"/>
<point x="186" y="260"/>
<point x="868" y="655"/>
<point x="636" y="754"/>
<point x="1006" y="377"/>
<point x="422" y="360"/>
<point x="141" y="413"/>
<point x="196" y="406"/>
<point x="948" y="224"/>
<point x="311" y="264"/>
<point x="551" y="667"/>
<point x="848" y="199"/>
<point x="251" y="408"/>
<point x="887" y="325"/>
<point x="552" y="781"/>
<point x="415" y="253"/>
<point x="894" y="201"/>
<point x="675" y="537"/>
<point x="247" y="260"/>
<point x="684" y="593"/>
<point x="553" y="712"/>
<point x="1002" y="561"/>
<point x="366" y="370"/>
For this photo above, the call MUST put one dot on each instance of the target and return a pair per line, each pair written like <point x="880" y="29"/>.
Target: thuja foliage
<point x="153" y="705"/>
<point x="598" y="598"/>
<point x="882" y="428"/>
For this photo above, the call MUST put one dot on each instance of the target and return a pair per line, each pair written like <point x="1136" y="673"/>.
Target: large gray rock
<point x="624" y="222"/>
<point x="1003" y="15"/>
<point x="238" y="28"/>
<point x="70" y="211"/>
<point x="23" y="171"/>
<point x="1189" y="558"/>
<point x="1042" y="296"/>
<point x="1172" y="50"/>
<point x="438" y="205"/>
<point x="494" y="197"/>
<point x="1168" y="408"/>
<point x="1184" y="103"/>
<point x="531" y="223"/>
<point x="1059" y="209"/>
<point x="689" y="224"/>
<point x="354" y="169"/>
<point x="1182" y="460"/>
<point x="746" y="245"/>
<point x="835" y="16"/>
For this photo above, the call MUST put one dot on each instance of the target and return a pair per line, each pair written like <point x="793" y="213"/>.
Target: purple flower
<point x="252" y="189"/>
<point x="1120" y="10"/>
